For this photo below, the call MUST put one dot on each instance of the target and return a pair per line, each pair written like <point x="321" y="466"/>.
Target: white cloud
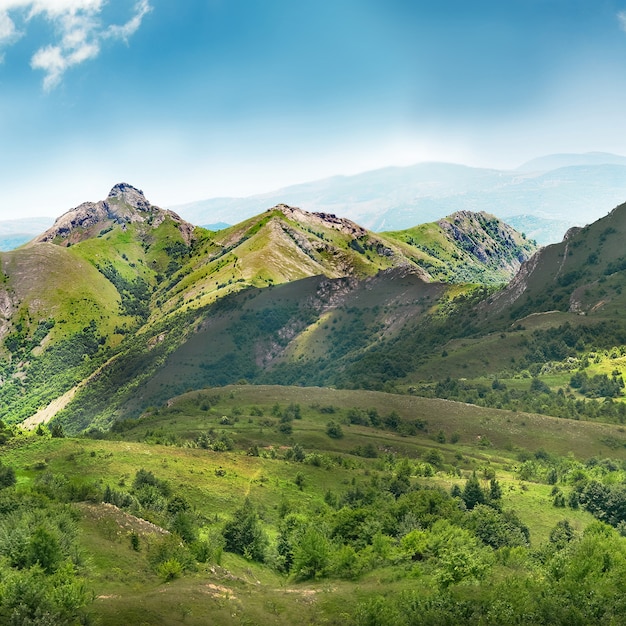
<point x="142" y="8"/>
<point x="8" y="32"/>
<point x="621" y="16"/>
<point x="79" y="28"/>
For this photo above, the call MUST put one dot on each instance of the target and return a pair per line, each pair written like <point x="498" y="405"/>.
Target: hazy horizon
<point x="206" y="99"/>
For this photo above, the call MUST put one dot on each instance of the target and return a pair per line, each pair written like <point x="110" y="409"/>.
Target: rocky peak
<point x="328" y="220"/>
<point x="124" y="205"/>
<point x="123" y="193"/>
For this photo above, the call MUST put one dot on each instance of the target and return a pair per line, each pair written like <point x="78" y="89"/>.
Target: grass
<point x="232" y="590"/>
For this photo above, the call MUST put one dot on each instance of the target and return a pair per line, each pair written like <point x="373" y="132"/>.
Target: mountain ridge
<point x="543" y="203"/>
<point x="132" y="283"/>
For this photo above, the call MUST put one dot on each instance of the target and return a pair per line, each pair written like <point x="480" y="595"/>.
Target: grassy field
<point x="229" y="589"/>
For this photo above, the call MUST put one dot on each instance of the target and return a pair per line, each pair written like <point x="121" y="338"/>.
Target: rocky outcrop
<point x="320" y="219"/>
<point x="572" y="232"/>
<point x="488" y="239"/>
<point x="124" y="205"/>
<point x="515" y="289"/>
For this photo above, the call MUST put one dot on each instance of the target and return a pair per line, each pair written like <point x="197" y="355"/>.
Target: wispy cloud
<point x="621" y="16"/>
<point x="114" y="31"/>
<point x="79" y="30"/>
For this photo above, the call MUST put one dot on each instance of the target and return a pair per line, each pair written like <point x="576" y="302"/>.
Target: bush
<point x="334" y="430"/>
<point x="7" y="476"/>
<point x="169" y="570"/>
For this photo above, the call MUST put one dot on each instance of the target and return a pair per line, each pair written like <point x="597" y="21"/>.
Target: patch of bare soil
<point x="126" y="522"/>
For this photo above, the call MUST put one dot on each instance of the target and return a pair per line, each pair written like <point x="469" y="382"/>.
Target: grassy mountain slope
<point x="468" y="247"/>
<point x="116" y="286"/>
<point x="553" y="340"/>
<point x="583" y="274"/>
<point x="308" y="331"/>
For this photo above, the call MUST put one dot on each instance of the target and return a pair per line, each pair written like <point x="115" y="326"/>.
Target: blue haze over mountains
<point x="542" y="198"/>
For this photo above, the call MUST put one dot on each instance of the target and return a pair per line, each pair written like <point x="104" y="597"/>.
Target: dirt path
<point x="47" y="413"/>
<point x="43" y="416"/>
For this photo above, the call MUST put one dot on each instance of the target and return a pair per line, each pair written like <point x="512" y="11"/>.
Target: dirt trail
<point x="43" y="416"/>
<point x="47" y="413"/>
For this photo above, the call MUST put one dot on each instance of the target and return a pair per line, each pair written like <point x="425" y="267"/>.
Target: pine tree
<point x="495" y="491"/>
<point x="473" y="493"/>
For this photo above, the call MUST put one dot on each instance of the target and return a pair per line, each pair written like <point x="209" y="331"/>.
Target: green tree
<point x="312" y="555"/>
<point x="56" y="430"/>
<point x="495" y="491"/>
<point x="183" y="524"/>
<point x="44" y="549"/>
<point x="473" y="493"/>
<point x="562" y="534"/>
<point x="244" y="534"/>
<point x="497" y="529"/>
<point x="7" y="476"/>
<point x="454" y="551"/>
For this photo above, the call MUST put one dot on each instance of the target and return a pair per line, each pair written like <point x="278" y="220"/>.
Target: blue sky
<point x="189" y="99"/>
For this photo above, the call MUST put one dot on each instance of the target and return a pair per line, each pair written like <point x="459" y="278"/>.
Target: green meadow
<point x="247" y="505"/>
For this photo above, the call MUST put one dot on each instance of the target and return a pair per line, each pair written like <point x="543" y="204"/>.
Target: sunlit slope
<point x="467" y="247"/>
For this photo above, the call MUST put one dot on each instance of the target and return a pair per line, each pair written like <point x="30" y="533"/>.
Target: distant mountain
<point x="14" y="233"/>
<point x="557" y="161"/>
<point x="543" y="198"/>
<point x="216" y="226"/>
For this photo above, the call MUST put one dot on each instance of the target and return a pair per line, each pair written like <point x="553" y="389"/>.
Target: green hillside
<point x="92" y="309"/>
<point x="248" y="504"/>
<point x="468" y="247"/>
<point x="583" y="274"/>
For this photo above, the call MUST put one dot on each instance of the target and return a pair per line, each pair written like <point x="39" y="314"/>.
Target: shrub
<point x="170" y="570"/>
<point x="334" y="430"/>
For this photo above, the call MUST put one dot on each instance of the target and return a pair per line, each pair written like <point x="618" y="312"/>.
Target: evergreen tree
<point x="473" y="493"/>
<point x="495" y="491"/>
<point x="244" y="535"/>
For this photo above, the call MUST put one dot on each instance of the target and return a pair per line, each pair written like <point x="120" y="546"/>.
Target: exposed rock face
<point x="487" y="239"/>
<point x="123" y="193"/>
<point x="514" y="290"/>
<point x="325" y="219"/>
<point x="7" y="307"/>
<point x="124" y="205"/>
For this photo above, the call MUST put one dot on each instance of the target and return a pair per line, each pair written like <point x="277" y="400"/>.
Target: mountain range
<point x="108" y="294"/>
<point x="542" y="198"/>
<point x="121" y="305"/>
